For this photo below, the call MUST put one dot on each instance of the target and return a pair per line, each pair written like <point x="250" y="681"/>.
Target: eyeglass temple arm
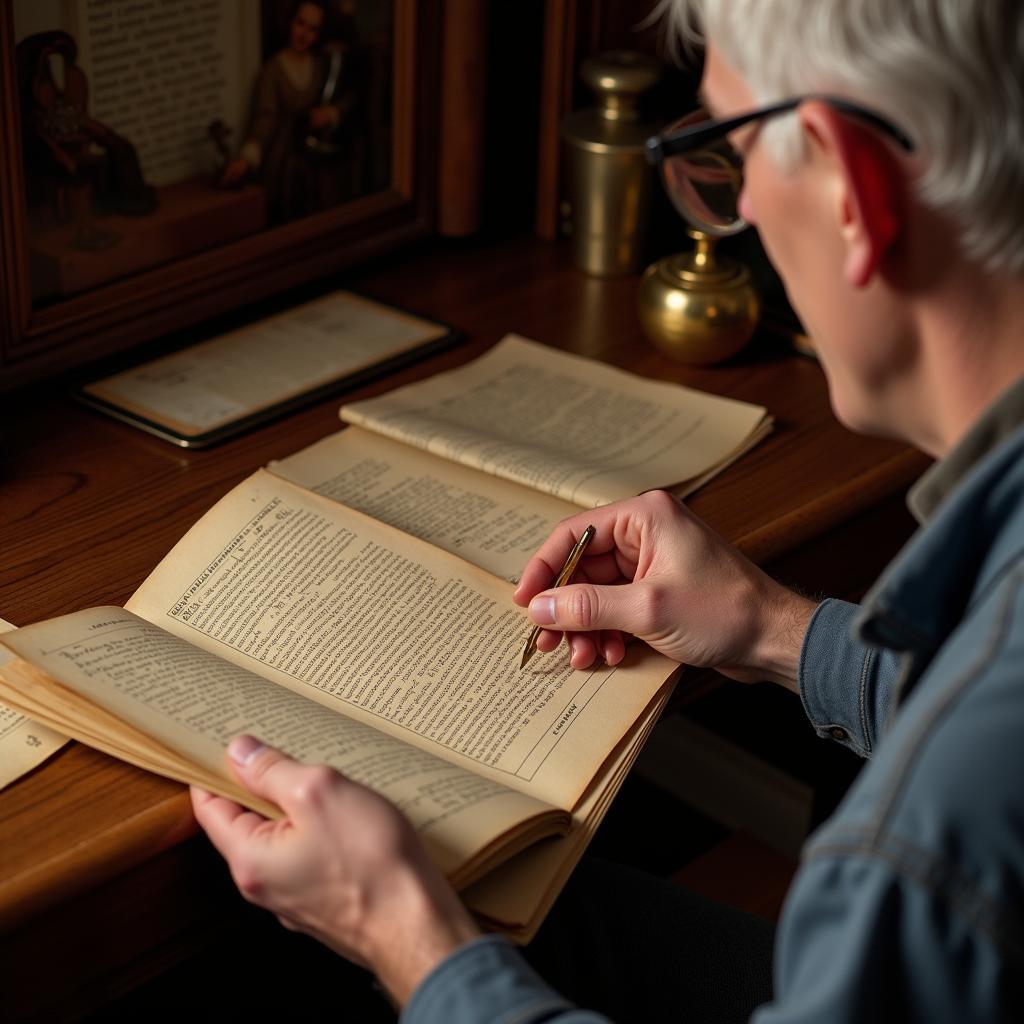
<point x="883" y="124"/>
<point x="658" y="147"/>
<point x="682" y="141"/>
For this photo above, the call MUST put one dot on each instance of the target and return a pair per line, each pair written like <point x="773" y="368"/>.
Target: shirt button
<point x="838" y="733"/>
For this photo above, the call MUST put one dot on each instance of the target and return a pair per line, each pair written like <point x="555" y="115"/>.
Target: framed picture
<point x="162" y="163"/>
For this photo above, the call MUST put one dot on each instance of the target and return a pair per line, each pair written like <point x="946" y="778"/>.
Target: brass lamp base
<point x="696" y="307"/>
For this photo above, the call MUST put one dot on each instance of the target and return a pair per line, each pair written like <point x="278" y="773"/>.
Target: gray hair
<point x="948" y="72"/>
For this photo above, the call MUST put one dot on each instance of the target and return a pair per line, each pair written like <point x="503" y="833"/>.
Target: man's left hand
<point x="343" y="865"/>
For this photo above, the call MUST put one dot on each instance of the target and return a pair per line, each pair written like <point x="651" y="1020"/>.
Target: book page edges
<point x="37" y="694"/>
<point x="515" y="898"/>
<point x="41" y="697"/>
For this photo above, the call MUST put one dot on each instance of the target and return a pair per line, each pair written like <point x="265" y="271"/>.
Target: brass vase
<point x="609" y="180"/>
<point x="698" y="307"/>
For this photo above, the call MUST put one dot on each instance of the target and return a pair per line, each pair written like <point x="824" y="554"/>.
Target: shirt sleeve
<point x="846" y="685"/>
<point x="488" y="982"/>
<point x="863" y="940"/>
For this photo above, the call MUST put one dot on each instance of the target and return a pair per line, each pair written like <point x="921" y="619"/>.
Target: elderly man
<point x="883" y="163"/>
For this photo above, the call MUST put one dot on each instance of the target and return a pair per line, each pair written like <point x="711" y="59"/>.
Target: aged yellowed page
<point x="193" y="703"/>
<point x="581" y="430"/>
<point x="24" y="743"/>
<point x="395" y="633"/>
<point x="206" y="386"/>
<point x="519" y="892"/>
<point x="493" y="523"/>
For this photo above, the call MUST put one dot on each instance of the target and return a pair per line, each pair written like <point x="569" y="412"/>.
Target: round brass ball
<point x="696" y="307"/>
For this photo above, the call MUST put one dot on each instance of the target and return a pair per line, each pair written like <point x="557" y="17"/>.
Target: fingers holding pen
<point x="609" y="558"/>
<point x="585" y="648"/>
<point x="587" y="615"/>
<point x="583" y="607"/>
<point x="607" y="645"/>
<point x="606" y="559"/>
<point x="543" y="567"/>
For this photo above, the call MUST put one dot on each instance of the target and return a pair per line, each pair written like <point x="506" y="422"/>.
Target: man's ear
<point x="870" y="183"/>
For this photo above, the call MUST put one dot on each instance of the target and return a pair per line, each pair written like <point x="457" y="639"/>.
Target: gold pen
<point x="560" y="581"/>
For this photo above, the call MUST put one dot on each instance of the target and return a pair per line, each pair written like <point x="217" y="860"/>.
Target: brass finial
<point x="698" y="307"/>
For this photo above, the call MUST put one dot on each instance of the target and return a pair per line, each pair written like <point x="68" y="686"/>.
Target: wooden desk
<point x="102" y="879"/>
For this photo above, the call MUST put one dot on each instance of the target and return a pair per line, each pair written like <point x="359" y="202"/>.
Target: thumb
<point x="583" y="607"/>
<point x="268" y="773"/>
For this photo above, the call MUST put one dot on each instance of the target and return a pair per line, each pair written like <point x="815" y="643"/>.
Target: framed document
<point x="162" y="163"/>
<point x="209" y="391"/>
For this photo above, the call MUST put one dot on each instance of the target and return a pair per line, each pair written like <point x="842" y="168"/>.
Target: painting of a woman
<point x="302" y="99"/>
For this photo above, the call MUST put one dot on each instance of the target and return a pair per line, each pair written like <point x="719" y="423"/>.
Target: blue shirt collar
<point x="968" y="501"/>
<point x="995" y="425"/>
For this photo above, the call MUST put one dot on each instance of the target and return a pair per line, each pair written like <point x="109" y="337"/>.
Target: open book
<point x="346" y="640"/>
<point x="484" y="460"/>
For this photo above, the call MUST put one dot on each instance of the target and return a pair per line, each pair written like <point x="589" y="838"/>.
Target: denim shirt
<point x="909" y="902"/>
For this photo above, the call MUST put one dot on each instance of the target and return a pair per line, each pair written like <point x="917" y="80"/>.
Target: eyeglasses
<point x="703" y="170"/>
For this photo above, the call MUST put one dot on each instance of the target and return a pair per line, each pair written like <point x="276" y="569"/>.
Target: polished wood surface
<point x="88" y="506"/>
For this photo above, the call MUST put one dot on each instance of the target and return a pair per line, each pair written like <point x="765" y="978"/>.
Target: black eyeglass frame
<point x="684" y="140"/>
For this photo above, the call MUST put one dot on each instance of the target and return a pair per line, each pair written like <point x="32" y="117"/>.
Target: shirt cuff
<point x="833" y="676"/>
<point x="485" y="980"/>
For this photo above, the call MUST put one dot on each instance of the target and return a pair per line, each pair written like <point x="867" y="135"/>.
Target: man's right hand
<point x="655" y="570"/>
